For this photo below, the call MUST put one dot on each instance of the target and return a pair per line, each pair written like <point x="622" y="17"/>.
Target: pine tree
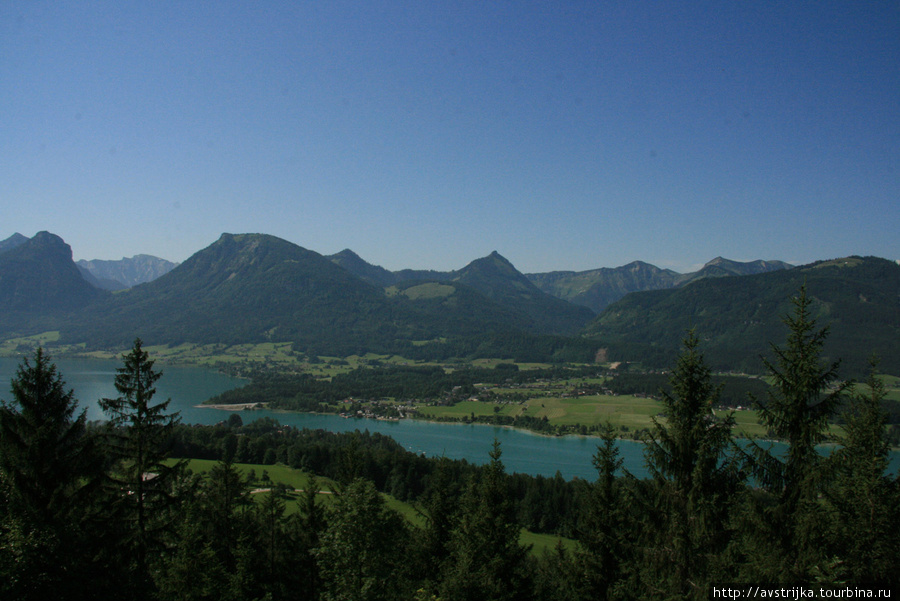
<point x="144" y="485"/>
<point x="694" y="479"/>
<point x="559" y="576"/>
<point x="272" y="541"/>
<point x="45" y="453"/>
<point x="193" y="571"/>
<point x="214" y="533"/>
<point x="362" y="553"/>
<point x="486" y="560"/>
<point x="49" y="472"/>
<point x="865" y="500"/>
<point x="225" y="498"/>
<point x="305" y="530"/>
<point x="603" y="525"/>
<point x="439" y="510"/>
<point x="805" y="393"/>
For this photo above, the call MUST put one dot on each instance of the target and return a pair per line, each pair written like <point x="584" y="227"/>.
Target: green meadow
<point x="626" y="413"/>
<point x="299" y="480"/>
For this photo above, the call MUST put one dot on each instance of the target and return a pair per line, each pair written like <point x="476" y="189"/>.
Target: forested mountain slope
<point x="243" y="288"/>
<point x="599" y="288"/>
<point x="737" y="318"/>
<point x="495" y="278"/>
<point x="257" y="288"/>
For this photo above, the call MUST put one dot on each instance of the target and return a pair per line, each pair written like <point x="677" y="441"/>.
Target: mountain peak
<point x="721" y="266"/>
<point x="497" y="278"/>
<point x="12" y="242"/>
<point x="348" y="254"/>
<point x="490" y="267"/>
<point x="48" y="240"/>
<point x="39" y="275"/>
<point x="126" y="272"/>
<point x="494" y="258"/>
<point x="373" y="274"/>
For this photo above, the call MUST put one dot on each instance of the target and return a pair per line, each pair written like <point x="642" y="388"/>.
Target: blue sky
<point x="565" y="135"/>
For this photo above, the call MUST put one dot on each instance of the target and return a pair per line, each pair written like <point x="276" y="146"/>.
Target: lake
<point x="187" y="387"/>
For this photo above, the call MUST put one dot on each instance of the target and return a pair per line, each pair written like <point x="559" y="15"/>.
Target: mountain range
<point x="595" y="289"/>
<point x="857" y="298"/>
<point x="494" y="277"/>
<point x="599" y="288"/>
<point x="254" y="288"/>
<point x="126" y="272"/>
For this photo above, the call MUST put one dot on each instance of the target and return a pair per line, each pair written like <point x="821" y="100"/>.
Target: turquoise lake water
<point x="187" y="387"/>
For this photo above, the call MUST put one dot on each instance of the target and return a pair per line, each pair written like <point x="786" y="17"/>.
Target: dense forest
<point x="102" y="511"/>
<point x="304" y="392"/>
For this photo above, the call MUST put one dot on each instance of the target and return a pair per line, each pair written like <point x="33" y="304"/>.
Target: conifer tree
<point x="694" y="480"/>
<point x="305" y="530"/>
<point x="439" y="509"/>
<point x="559" y="576"/>
<point x="362" y="553"/>
<point x="865" y="500"/>
<point x="602" y="531"/>
<point x="213" y="535"/>
<point x="486" y="560"/>
<point x="49" y="472"/>
<point x="225" y="497"/>
<point x="45" y="453"/>
<point x="144" y="484"/>
<point x="271" y="537"/>
<point x="193" y="571"/>
<point x="787" y="538"/>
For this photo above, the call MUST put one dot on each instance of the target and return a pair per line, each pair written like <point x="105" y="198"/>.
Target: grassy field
<point x="17" y="346"/>
<point x="299" y="480"/>
<point x="294" y="478"/>
<point x="621" y="411"/>
<point x="626" y="413"/>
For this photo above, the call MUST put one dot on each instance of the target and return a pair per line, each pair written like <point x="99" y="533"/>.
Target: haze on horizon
<point x="425" y="136"/>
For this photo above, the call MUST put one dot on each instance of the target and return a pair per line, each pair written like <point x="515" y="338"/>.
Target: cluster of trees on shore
<point x="96" y="511"/>
<point x="431" y="383"/>
<point x="304" y="392"/>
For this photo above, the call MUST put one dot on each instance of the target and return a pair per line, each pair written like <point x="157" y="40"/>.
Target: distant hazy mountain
<point x="109" y="285"/>
<point x="737" y="318"/>
<point x="598" y="288"/>
<point x="494" y="277"/>
<point x="379" y="276"/>
<point x="39" y="278"/>
<point x="125" y="273"/>
<point x="12" y="242"/>
<point x="720" y="267"/>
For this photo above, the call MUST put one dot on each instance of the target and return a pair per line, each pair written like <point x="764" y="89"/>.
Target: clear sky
<point x="425" y="134"/>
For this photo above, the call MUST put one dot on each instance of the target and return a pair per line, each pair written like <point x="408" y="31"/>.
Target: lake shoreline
<point x="262" y="406"/>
